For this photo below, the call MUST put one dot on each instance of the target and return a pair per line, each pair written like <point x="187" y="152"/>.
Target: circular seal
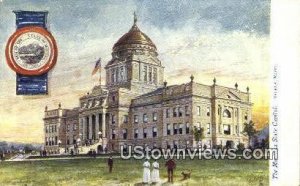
<point x="31" y="50"/>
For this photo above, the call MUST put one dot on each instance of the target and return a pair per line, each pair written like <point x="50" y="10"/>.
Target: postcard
<point x="148" y="93"/>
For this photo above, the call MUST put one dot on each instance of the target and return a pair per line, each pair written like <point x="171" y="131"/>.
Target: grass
<point x="91" y="171"/>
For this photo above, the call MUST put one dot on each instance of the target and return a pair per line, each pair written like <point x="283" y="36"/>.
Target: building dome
<point x="134" y="37"/>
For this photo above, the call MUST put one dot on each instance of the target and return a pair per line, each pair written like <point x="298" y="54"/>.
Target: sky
<point x="229" y="40"/>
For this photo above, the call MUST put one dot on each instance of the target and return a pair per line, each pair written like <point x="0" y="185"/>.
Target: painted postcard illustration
<point x="134" y="92"/>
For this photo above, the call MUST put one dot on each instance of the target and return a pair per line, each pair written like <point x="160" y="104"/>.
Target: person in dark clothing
<point x="171" y="165"/>
<point x="110" y="163"/>
<point x="94" y="153"/>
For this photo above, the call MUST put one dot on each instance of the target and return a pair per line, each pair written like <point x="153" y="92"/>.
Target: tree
<point x="198" y="134"/>
<point x="249" y="130"/>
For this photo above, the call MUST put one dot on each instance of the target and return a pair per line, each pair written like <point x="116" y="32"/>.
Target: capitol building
<point x="137" y="107"/>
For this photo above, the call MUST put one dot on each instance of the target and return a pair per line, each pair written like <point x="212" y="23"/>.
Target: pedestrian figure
<point x="146" y="173"/>
<point x="110" y="163"/>
<point x="155" y="172"/>
<point x="94" y="153"/>
<point x="171" y="165"/>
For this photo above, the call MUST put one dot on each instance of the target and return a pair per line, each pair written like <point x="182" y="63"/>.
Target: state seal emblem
<point x="31" y="52"/>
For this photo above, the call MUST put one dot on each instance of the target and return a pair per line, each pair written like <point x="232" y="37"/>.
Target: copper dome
<point x="134" y="36"/>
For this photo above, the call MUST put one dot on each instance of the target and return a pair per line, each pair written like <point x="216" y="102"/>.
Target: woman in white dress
<point x="155" y="172"/>
<point x="146" y="173"/>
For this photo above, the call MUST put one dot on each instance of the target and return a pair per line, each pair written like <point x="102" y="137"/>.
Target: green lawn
<point x="129" y="172"/>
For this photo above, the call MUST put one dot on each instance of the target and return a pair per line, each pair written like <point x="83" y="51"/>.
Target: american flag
<point x="97" y="67"/>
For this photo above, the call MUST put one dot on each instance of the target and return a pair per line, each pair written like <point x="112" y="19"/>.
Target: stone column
<point x="90" y="127"/>
<point x="221" y="122"/>
<point x="238" y="121"/>
<point x="84" y="137"/>
<point x="103" y="124"/>
<point x="97" y="126"/>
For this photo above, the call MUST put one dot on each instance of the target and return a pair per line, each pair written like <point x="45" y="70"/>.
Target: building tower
<point x="134" y="64"/>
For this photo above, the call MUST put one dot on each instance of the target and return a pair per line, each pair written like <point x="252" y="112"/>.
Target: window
<point x="136" y="118"/>
<point x="46" y="129"/>
<point x="125" y="119"/>
<point x="145" y="132"/>
<point x="150" y="74"/>
<point x="154" y="116"/>
<point x="175" y="144"/>
<point x="167" y="113"/>
<point x="122" y="73"/>
<point x="168" y="129"/>
<point x="155" y="75"/>
<point x="180" y="112"/>
<point x="68" y="127"/>
<point x="175" y="112"/>
<point x="74" y="139"/>
<point x="226" y="129"/>
<point x="145" y="118"/>
<point x="186" y="109"/>
<point x="175" y="126"/>
<point x="198" y="110"/>
<point x="180" y="128"/>
<point x="75" y="127"/>
<point x="187" y="129"/>
<point x="226" y="113"/>
<point x="208" y="111"/>
<point x="113" y="119"/>
<point x="145" y="73"/>
<point x="208" y="128"/>
<point x="117" y="74"/>
<point x="113" y="98"/>
<point x="136" y="133"/>
<point x="124" y="133"/>
<point x="154" y="132"/>
<point x="246" y="117"/>
<point x="46" y="140"/>
<point x="113" y="75"/>
<point x="113" y="134"/>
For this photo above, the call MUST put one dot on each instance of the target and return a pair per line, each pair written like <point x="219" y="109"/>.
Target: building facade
<point x="136" y="106"/>
<point x="61" y="130"/>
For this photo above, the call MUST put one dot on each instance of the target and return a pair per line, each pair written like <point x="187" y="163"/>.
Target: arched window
<point x="226" y="113"/>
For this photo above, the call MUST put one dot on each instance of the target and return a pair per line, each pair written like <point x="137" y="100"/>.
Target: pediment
<point x="229" y="95"/>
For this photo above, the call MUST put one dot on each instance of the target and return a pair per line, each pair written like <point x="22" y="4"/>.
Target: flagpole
<point x="97" y="68"/>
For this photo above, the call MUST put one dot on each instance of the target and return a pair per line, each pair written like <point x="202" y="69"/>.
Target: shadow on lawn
<point x="152" y="184"/>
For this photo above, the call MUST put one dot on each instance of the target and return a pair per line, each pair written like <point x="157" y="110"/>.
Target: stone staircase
<point x="85" y="149"/>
